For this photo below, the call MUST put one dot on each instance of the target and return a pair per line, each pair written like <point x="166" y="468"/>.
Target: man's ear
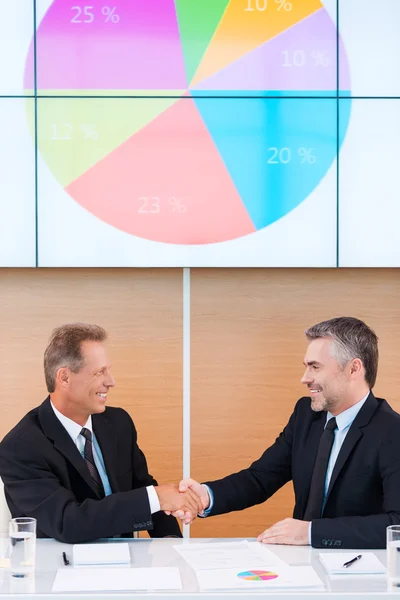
<point x="356" y="367"/>
<point x="63" y="377"/>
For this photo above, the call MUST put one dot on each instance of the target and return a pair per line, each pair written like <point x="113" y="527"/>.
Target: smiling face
<point x="84" y="393"/>
<point x="329" y="384"/>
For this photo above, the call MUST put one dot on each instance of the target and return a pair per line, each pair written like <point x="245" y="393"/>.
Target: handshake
<point x="184" y="500"/>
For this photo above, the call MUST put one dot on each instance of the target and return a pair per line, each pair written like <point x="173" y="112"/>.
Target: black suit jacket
<point x="364" y="491"/>
<point x="45" y="477"/>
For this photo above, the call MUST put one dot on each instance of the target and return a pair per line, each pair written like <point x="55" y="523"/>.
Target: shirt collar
<point x="346" y="417"/>
<point x="73" y="429"/>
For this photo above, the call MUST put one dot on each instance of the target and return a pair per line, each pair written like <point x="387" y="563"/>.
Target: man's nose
<point x="306" y="377"/>
<point x="110" y="381"/>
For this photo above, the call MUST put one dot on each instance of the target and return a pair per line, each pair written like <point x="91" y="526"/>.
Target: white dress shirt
<point x="74" y="431"/>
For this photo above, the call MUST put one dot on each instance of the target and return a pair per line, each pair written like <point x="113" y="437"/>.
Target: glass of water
<point x="22" y="546"/>
<point x="393" y="554"/>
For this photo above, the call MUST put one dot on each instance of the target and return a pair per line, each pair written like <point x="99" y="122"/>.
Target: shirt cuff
<point x="208" y="510"/>
<point x="309" y="533"/>
<point x="153" y="499"/>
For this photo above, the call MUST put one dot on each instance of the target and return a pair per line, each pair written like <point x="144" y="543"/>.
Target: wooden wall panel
<point x="247" y="352"/>
<point x="142" y="312"/>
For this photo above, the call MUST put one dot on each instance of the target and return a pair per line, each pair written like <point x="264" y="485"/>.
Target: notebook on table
<point x="368" y="564"/>
<point x="85" y="555"/>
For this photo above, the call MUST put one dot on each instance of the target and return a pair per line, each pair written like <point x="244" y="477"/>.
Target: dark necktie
<point x="89" y="460"/>
<point x="317" y="488"/>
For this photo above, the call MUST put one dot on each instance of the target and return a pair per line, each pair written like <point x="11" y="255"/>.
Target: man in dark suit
<point x="341" y="448"/>
<point x="74" y="464"/>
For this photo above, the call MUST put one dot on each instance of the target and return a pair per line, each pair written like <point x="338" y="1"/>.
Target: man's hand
<point x="198" y="488"/>
<point x="181" y="504"/>
<point x="200" y="491"/>
<point x="288" y="531"/>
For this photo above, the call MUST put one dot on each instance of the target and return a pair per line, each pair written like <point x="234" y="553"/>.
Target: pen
<point x="65" y="559"/>
<point x="353" y="560"/>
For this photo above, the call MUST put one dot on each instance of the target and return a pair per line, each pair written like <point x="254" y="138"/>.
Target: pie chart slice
<point x="276" y="150"/>
<point x="241" y="31"/>
<point x="166" y="183"/>
<point x="197" y="21"/>
<point x="302" y="57"/>
<point x="123" y="45"/>
<point x="76" y="133"/>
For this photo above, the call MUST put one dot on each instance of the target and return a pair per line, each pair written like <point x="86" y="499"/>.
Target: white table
<point x="159" y="553"/>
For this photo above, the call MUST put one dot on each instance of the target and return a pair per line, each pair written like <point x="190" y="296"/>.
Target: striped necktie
<point x="89" y="460"/>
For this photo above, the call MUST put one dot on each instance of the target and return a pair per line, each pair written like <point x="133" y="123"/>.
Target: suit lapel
<point x="354" y="434"/>
<point x="55" y="431"/>
<point x="307" y="467"/>
<point x="108" y="444"/>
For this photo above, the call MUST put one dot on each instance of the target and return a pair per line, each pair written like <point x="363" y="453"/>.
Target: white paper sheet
<point x="224" y="555"/>
<point x="69" y="579"/>
<point x="116" y="553"/>
<point x="280" y="578"/>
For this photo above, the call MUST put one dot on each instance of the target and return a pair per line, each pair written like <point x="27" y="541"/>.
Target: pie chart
<point x="188" y="121"/>
<point x="257" y="575"/>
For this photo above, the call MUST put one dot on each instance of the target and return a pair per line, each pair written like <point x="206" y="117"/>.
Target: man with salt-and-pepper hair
<point x="341" y="449"/>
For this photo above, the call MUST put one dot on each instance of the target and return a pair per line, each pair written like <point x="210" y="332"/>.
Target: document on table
<point x="69" y="579"/>
<point x="256" y="578"/>
<point x="369" y="564"/>
<point x="214" y="555"/>
<point x="112" y="553"/>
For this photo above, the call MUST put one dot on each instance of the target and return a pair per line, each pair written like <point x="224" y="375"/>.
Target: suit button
<point x="338" y="543"/>
<point x="149" y="523"/>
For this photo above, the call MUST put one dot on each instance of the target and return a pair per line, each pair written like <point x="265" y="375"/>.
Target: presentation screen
<point x="199" y="132"/>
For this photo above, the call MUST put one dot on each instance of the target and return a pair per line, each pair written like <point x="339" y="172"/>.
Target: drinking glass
<point x="22" y="546"/>
<point x="393" y="554"/>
